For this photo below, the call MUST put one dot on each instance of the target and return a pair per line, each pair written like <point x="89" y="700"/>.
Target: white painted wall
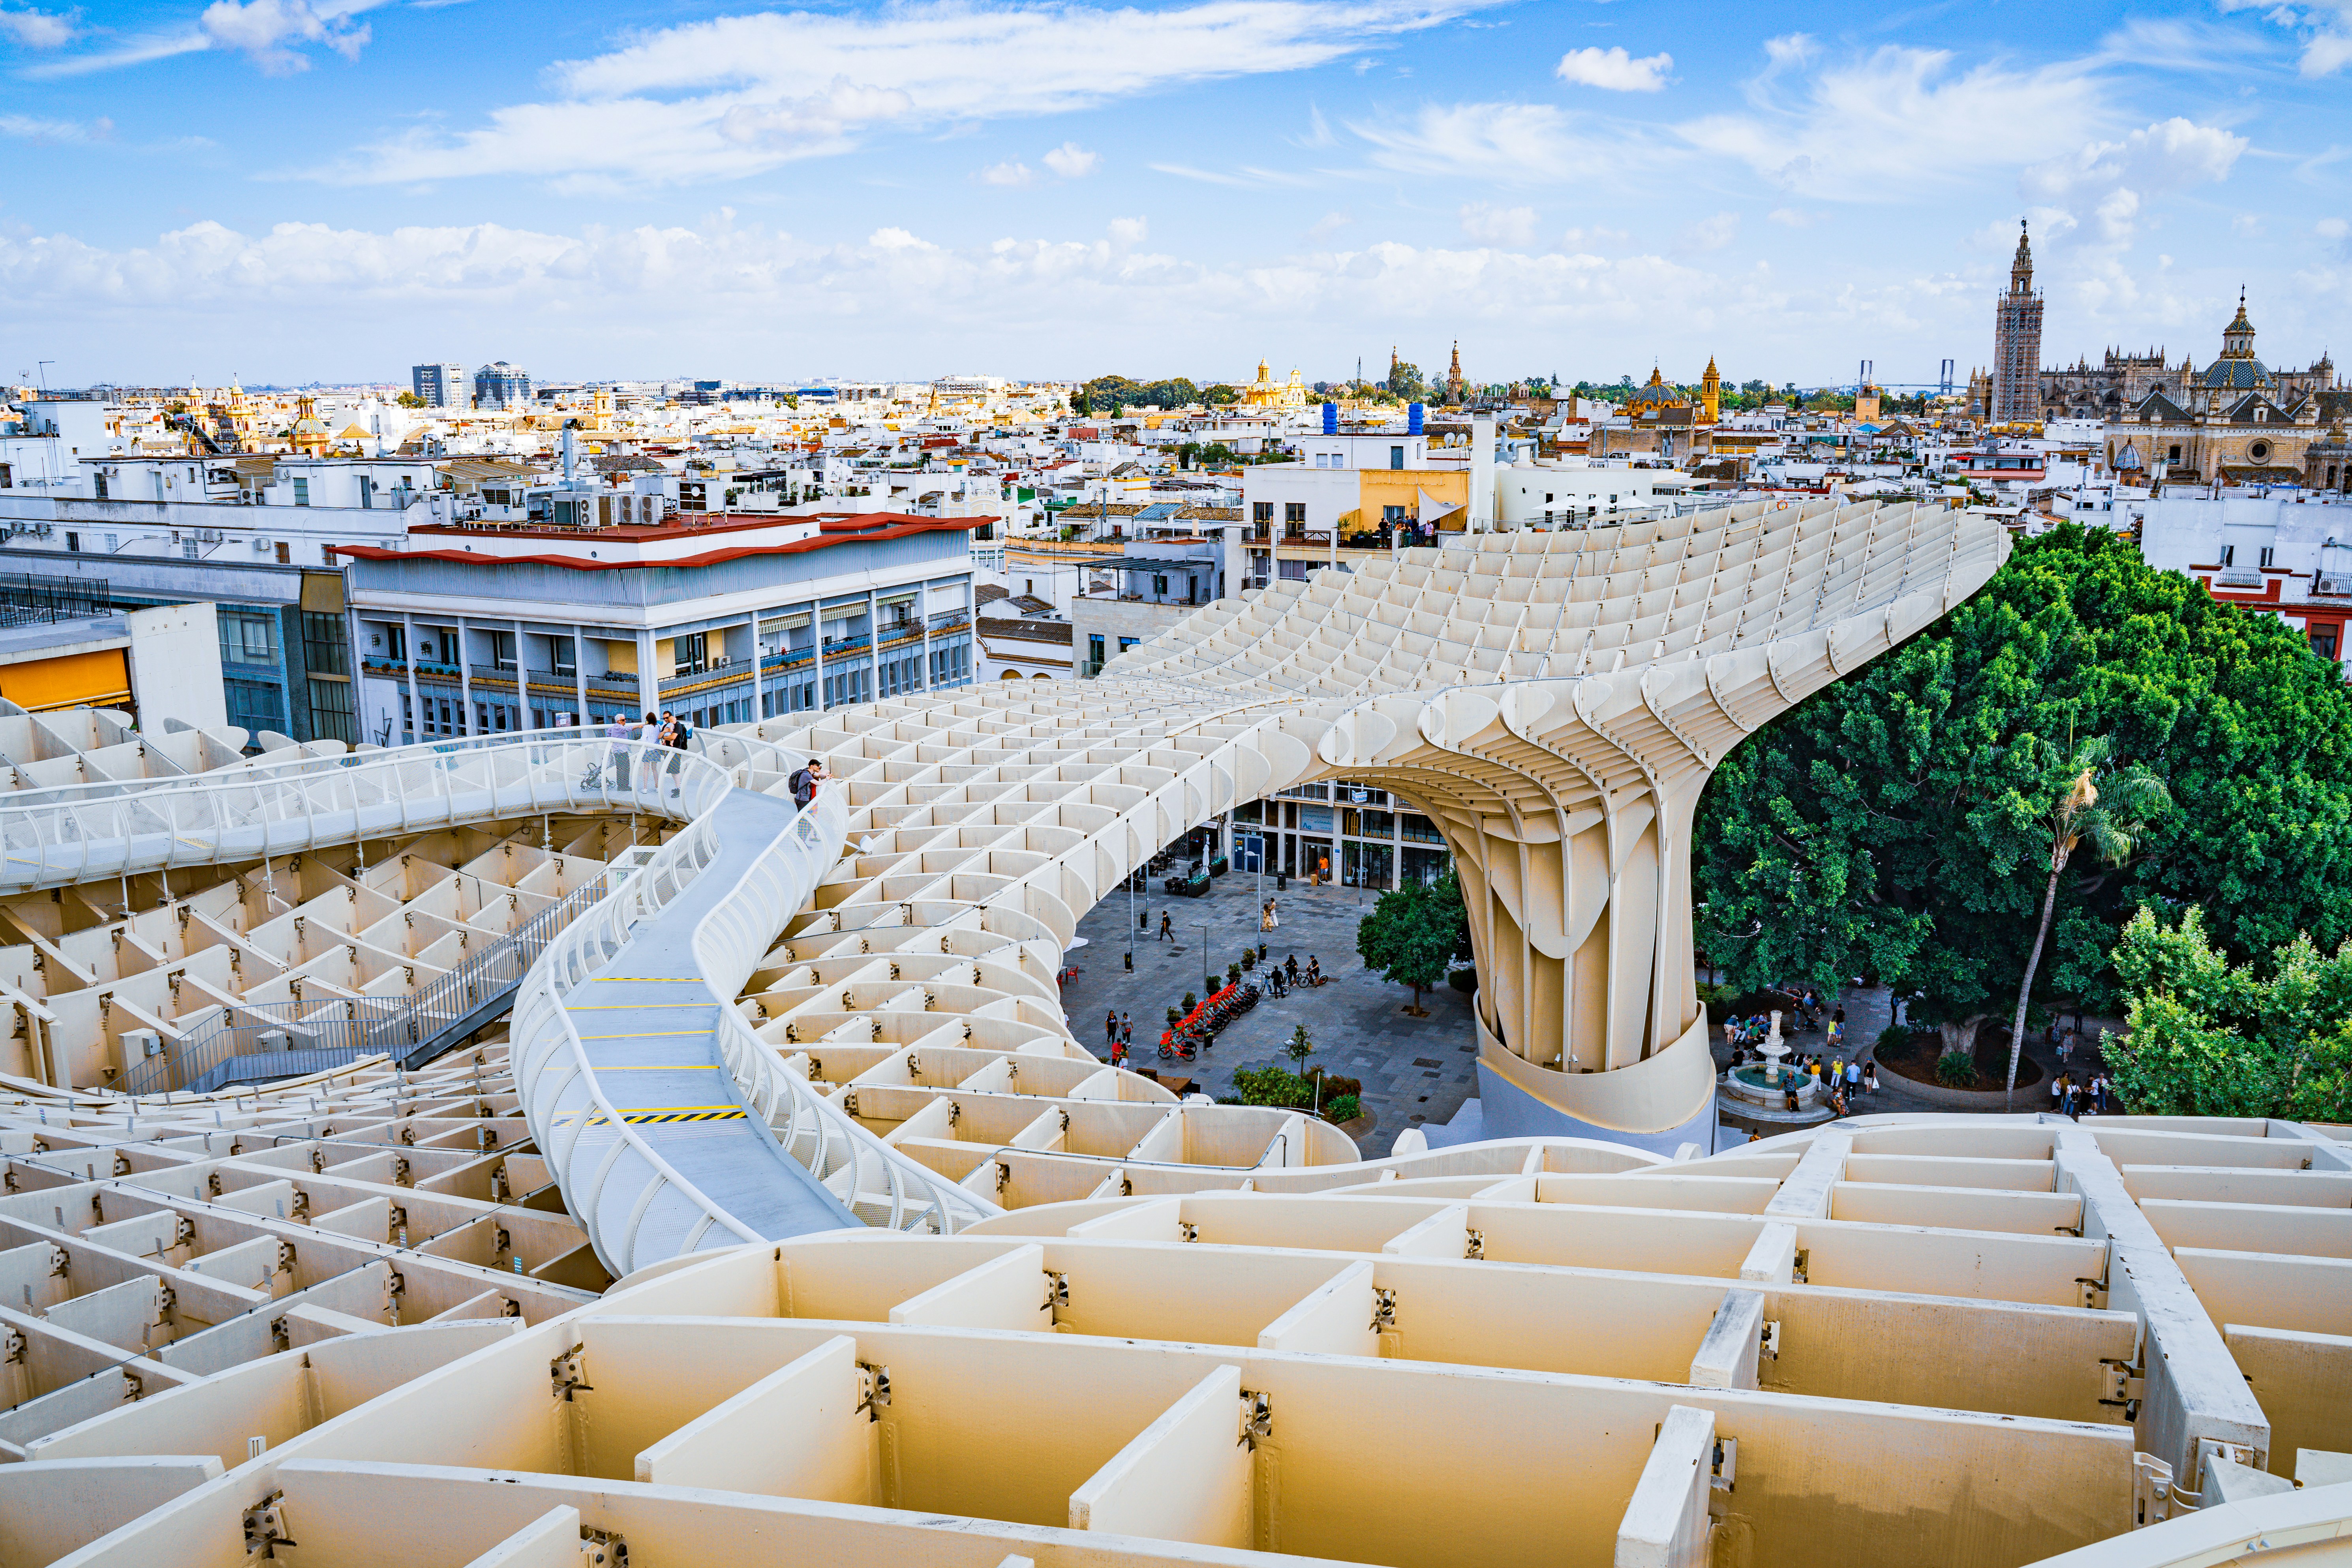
<point x="175" y="670"/>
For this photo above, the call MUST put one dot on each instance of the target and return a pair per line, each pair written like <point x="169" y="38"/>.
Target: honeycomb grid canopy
<point x="1554" y="702"/>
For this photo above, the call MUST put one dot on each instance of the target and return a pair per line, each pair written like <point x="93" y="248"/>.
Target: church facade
<point x="2236" y="422"/>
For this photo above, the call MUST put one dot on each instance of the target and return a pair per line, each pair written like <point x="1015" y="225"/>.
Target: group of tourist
<point x="2071" y="1098"/>
<point x="664" y="729"/>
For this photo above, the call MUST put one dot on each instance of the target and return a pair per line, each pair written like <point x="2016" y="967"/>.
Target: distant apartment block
<point x="498" y="384"/>
<point x="438" y="385"/>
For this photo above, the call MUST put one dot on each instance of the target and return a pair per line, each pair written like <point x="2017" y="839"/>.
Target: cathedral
<point x="2236" y="422"/>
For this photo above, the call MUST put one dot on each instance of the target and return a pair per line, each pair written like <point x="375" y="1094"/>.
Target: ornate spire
<point x="2020" y="269"/>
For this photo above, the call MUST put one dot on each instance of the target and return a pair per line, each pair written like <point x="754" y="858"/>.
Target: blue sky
<point x="335" y="189"/>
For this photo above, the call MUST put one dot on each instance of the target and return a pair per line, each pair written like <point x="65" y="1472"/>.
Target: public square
<point x="1412" y="1070"/>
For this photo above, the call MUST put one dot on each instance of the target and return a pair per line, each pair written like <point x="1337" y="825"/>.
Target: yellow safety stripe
<point x="647" y="1034"/>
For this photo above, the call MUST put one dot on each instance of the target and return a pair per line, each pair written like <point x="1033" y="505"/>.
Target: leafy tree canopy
<point x="1414" y="934"/>
<point x="1405" y="381"/>
<point x="2207" y="1039"/>
<point x="1220" y="394"/>
<point x="1111" y="392"/>
<point x="1894" y="824"/>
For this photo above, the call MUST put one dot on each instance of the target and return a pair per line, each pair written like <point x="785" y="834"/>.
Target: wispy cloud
<point x="1499" y="226"/>
<point x="1008" y="174"/>
<point x="30" y="127"/>
<point x="736" y="95"/>
<point x="1247" y="177"/>
<point x="273" y="34"/>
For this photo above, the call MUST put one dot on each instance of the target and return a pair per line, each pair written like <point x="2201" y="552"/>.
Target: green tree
<point x="1888" y="824"/>
<point x="1404" y="381"/>
<point x="1414" y="934"/>
<point x="409" y="400"/>
<point x="1220" y="394"/>
<point x="2108" y="823"/>
<point x="1299" y="1048"/>
<point x="2207" y="1039"/>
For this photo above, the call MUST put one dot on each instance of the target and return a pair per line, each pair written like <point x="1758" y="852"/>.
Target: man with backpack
<point x="803" y="784"/>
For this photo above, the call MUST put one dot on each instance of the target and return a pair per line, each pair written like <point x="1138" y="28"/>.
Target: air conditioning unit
<point x="2336" y="588"/>
<point x="261" y="547"/>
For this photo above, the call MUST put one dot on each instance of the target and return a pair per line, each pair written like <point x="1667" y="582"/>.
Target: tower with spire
<point x="1453" y="375"/>
<point x="2017" y="341"/>
<point x="1710" y="393"/>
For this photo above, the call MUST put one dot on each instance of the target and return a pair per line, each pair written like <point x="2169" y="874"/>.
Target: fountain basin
<point x="1746" y="1083"/>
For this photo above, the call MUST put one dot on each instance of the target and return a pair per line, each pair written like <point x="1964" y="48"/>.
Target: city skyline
<point x="298" y="190"/>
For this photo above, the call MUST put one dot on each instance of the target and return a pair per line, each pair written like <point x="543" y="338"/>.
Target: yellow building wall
<point x="621" y="657"/>
<point x="98" y="679"/>
<point x="1379" y="488"/>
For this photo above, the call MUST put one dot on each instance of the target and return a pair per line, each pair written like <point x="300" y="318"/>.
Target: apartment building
<point x="726" y="618"/>
<point x="439" y="385"/>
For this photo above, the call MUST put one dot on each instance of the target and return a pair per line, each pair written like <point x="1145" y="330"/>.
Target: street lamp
<point x="1206" y="984"/>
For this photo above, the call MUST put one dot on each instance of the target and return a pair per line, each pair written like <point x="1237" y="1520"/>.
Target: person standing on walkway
<point x="1111" y="1028"/>
<point x="1126" y="1031"/>
<point x="617" y="736"/>
<point x="1854" y="1077"/>
<point x="1167" y="927"/>
<point x="1870" y="1077"/>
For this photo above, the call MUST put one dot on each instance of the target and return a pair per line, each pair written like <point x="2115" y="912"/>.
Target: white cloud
<point x="2331" y="228"/>
<point x="1795" y="217"/>
<point x="1898" y="121"/>
<point x="1711" y="233"/>
<point x="2110" y="180"/>
<point x="736" y="95"/>
<point x="1128" y="232"/>
<point x="1327" y="226"/>
<point x="269" y="30"/>
<point x="2326" y="29"/>
<point x="1007" y="174"/>
<point x="1499" y="226"/>
<point x="36" y="29"/>
<point x="1072" y="162"/>
<point x="1507" y="143"/>
<point x="1614" y="70"/>
<point x="30" y="127"/>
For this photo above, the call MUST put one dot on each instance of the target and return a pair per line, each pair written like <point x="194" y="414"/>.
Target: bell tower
<point x="1710" y="393"/>
<point x="2017" y="341"/>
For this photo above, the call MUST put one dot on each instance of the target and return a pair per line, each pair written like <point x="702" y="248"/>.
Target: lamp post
<point x="1206" y="984"/>
<point x="1131" y="918"/>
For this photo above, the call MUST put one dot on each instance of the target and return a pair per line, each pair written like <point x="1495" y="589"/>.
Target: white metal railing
<point x="273" y="806"/>
<point x="635" y="1205"/>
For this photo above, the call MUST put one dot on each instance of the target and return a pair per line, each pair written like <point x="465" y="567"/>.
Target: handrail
<point x="271" y="808"/>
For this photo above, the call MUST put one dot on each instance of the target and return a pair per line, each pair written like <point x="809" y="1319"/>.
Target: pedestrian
<point x="803" y="784"/>
<point x="1167" y="927"/>
<point x="1788" y="1094"/>
<point x="617" y="735"/>
<point x="1854" y="1077"/>
<point x="1111" y="1028"/>
<point x="1870" y="1078"/>
<point x="2058" y="1092"/>
<point x="1290" y="968"/>
<point x="1126" y="1031"/>
<point x="676" y="735"/>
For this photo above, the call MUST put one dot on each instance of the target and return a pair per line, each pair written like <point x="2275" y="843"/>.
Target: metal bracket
<point x="849" y="1102"/>
<point x="955" y="1113"/>
<point x="1769" y="1347"/>
<point x="2093" y="1293"/>
<point x="2152" y="1490"/>
<point x="281" y="1334"/>
<point x="1383" y="1309"/>
<point x="874" y="1389"/>
<point x="1798" y="1266"/>
<point x="1473" y="1242"/>
<point x="1257" y="1418"/>
<point x="2124" y="1390"/>
<point x="60" y="1262"/>
<point x="1058" y="1290"/>
<point x="568" y="1373"/>
<point x="284" y="1258"/>
<point x="265" y="1526"/>
<point x="1004" y="1176"/>
<point x="914" y="1064"/>
<point x="1187" y="1230"/>
<point x="14" y="1346"/>
<point x="602" y="1549"/>
<point x="1727" y="1464"/>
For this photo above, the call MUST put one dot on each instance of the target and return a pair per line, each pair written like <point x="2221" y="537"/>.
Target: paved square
<point x="1411" y="1067"/>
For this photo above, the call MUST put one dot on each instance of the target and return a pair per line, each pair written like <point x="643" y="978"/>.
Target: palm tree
<point x="2109" y="823"/>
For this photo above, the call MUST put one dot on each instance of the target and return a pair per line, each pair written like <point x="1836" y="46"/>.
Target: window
<point x="1160" y="583"/>
<point x="285" y="553"/>
<point x="73" y="541"/>
<point x="2228" y="554"/>
<point x="247" y="639"/>
<point x="2267" y="553"/>
<point x="2173" y="454"/>
<point x="2322" y="642"/>
<point x="1126" y="642"/>
<point x="1095" y="649"/>
<point x="367" y="492"/>
<point x="1262" y="512"/>
<point x="692" y="654"/>
<point x="566" y="655"/>
<point x="1293" y="515"/>
<point x="324" y="651"/>
<point x="301" y="493"/>
<point x="502" y="649"/>
<point x="102" y="487"/>
<point x="1396" y="457"/>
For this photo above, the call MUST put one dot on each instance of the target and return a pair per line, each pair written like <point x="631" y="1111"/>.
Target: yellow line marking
<point x="648" y="1034"/>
